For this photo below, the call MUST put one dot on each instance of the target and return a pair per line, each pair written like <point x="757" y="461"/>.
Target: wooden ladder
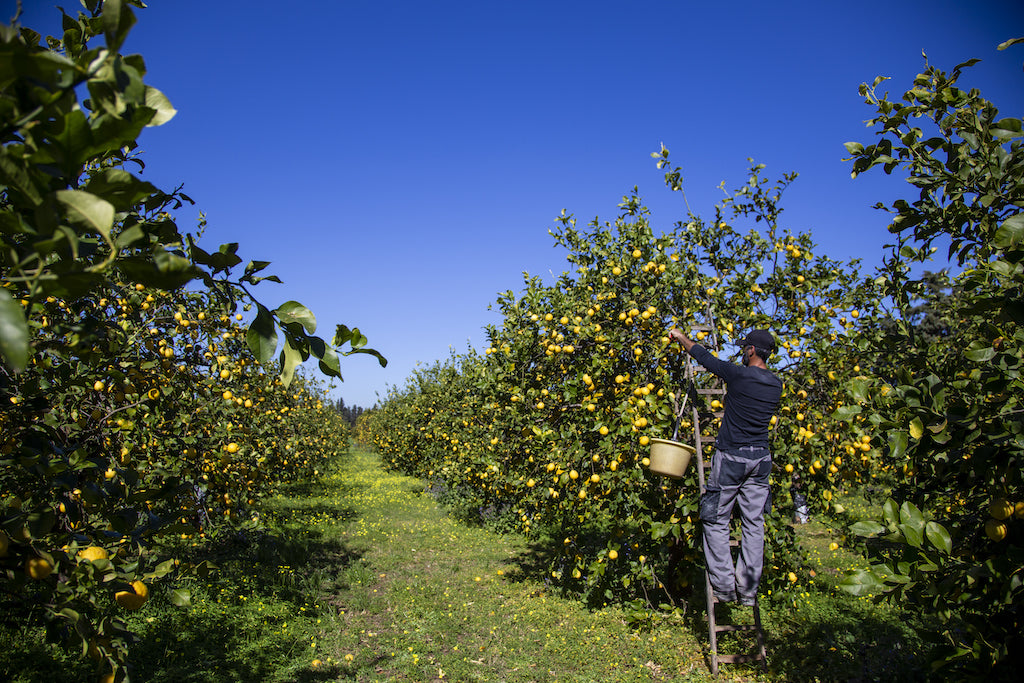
<point x="714" y="626"/>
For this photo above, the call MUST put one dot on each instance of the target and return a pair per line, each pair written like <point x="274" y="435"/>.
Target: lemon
<point x="1000" y="509"/>
<point x="133" y="599"/>
<point x="93" y="553"/>
<point x="37" y="568"/>
<point x="995" y="530"/>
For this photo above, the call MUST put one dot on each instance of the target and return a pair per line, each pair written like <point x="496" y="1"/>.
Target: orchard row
<point x="137" y="414"/>
<point x="551" y="426"/>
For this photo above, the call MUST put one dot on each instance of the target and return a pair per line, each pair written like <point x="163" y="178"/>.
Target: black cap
<point x="760" y="339"/>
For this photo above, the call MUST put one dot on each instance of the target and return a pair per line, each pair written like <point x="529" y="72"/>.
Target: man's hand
<point x="679" y="336"/>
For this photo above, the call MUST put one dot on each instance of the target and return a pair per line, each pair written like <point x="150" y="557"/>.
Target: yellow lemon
<point x="92" y="553"/>
<point x="133" y="599"/>
<point x="1000" y="508"/>
<point x="995" y="530"/>
<point x="37" y="568"/>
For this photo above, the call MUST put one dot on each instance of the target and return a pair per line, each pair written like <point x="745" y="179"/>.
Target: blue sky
<point x="401" y="162"/>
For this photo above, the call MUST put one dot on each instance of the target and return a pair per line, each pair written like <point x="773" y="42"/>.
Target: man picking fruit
<point x="740" y="466"/>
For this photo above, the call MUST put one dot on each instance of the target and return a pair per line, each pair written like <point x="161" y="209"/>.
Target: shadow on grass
<point x="837" y="639"/>
<point x="850" y="642"/>
<point x="242" y="641"/>
<point x="245" y="622"/>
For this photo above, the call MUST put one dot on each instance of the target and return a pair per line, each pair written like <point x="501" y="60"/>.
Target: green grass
<point x="366" y="578"/>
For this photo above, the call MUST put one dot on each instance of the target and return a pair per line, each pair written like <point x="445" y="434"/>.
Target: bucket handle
<point x="682" y="409"/>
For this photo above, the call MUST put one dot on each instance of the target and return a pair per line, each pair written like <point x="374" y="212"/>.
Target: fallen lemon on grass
<point x="133" y="599"/>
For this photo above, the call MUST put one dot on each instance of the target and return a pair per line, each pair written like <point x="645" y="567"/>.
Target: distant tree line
<point x="348" y="413"/>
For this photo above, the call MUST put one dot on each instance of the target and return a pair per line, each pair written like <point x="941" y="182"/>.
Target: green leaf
<point x="261" y="336"/>
<point x="845" y="412"/>
<point x="14" y="333"/>
<point x="867" y="528"/>
<point x="890" y="513"/>
<point x="939" y="537"/>
<point x="854" y="147"/>
<point x="376" y="354"/>
<point x="117" y="21"/>
<point x="157" y="101"/>
<point x="119" y="187"/>
<point x="164" y="269"/>
<point x="897" y="445"/>
<point x="1010" y="233"/>
<point x="862" y="582"/>
<point x="181" y="597"/>
<point x="911" y="534"/>
<point x="95" y="213"/>
<point x="128" y="237"/>
<point x="291" y="357"/>
<point x="1008" y="43"/>
<point x="330" y="364"/>
<point x="912" y="524"/>
<point x="859" y="390"/>
<point x="162" y="569"/>
<point x="916" y="428"/>
<point x="343" y="335"/>
<point x="979" y="352"/>
<point x="294" y="312"/>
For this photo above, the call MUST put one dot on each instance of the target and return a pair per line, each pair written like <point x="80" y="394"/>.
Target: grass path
<point x="363" y="577"/>
<point x="423" y="598"/>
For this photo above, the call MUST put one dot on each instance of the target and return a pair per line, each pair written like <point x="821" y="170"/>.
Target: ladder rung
<point x="740" y="659"/>
<point x="735" y="627"/>
<point x="711" y="392"/>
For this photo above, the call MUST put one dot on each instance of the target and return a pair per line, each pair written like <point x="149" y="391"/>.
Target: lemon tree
<point x="549" y="429"/>
<point x="952" y="533"/>
<point x="137" y="405"/>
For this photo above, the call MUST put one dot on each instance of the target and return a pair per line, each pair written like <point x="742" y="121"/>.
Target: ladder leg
<point x="712" y="623"/>
<point x="762" y="654"/>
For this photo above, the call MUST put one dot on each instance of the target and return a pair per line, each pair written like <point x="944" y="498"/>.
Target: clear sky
<point x="401" y="162"/>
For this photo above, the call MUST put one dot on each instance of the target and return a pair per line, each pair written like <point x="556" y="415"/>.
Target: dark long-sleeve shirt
<point x="752" y="397"/>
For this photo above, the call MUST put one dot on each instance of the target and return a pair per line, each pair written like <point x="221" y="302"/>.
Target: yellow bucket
<point x="670" y="458"/>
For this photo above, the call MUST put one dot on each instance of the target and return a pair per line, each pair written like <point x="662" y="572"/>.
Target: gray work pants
<point x="736" y="478"/>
